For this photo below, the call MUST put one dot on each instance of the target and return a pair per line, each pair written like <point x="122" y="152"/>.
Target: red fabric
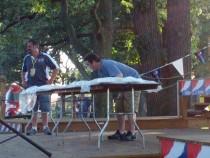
<point x="193" y="150"/>
<point x="166" y="147"/>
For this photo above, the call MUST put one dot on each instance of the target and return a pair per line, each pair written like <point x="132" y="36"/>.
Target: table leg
<point x="32" y="116"/>
<point x="133" y="112"/>
<point x="61" y="115"/>
<point x="94" y="116"/>
<point x="107" y="121"/>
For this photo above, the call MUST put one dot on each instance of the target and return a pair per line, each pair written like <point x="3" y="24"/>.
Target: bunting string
<point x="198" y="55"/>
<point x="161" y="66"/>
<point x="163" y="88"/>
<point x="174" y="77"/>
<point x="178" y="64"/>
<point x="171" y="85"/>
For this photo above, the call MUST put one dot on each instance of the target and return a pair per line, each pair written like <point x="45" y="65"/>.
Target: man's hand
<point x="53" y="76"/>
<point x="24" y="84"/>
<point x="50" y="81"/>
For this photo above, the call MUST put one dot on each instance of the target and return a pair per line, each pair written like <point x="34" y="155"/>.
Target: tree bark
<point x="103" y="39"/>
<point x="148" y="44"/>
<point x="103" y="36"/>
<point x="177" y="45"/>
<point x="80" y="49"/>
<point x="155" y="52"/>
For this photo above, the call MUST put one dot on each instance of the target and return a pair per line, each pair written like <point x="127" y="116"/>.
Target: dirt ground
<point x="77" y="144"/>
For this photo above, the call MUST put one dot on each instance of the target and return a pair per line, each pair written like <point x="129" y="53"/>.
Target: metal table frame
<point x="99" y="89"/>
<point x="109" y="113"/>
<point x="82" y="118"/>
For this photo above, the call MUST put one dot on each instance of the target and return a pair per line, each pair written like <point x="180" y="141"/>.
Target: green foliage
<point x="23" y="19"/>
<point x="200" y="16"/>
<point x="10" y="60"/>
<point x="39" y="20"/>
<point x="123" y="37"/>
<point x="162" y="14"/>
<point x="200" y="28"/>
<point x="128" y="5"/>
<point x="123" y="49"/>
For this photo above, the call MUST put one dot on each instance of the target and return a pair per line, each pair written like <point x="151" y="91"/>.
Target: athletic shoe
<point x="129" y="136"/>
<point x="117" y="136"/>
<point x="47" y="131"/>
<point x="31" y="132"/>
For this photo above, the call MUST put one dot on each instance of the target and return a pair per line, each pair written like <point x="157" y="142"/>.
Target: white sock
<point x="121" y="132"/>
<point x="133" y="133"/>
<point x="44" y="127"/>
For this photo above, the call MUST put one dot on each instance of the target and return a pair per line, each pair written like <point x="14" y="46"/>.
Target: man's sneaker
<point x="47" y="131"/>
<point x="117" y="136"/>
<point x="31" y="132"/>
<point x="129" y="136"/>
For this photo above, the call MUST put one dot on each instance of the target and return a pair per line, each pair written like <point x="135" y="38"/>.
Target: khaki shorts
<point x="123" y="104"/>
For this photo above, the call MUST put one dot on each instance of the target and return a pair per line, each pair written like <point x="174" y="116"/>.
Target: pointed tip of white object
<point x="178" y="64"/>
<point x="159" y="88"/>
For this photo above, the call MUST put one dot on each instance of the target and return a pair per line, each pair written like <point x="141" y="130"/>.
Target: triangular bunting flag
<point x="200" y="56"/>
<point x="178" y="64"/>
<point x="156" y="74"/>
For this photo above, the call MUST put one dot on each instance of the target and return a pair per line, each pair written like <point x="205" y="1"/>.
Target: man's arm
<point x="24" y="83"/>
<point x="53" y="76"/>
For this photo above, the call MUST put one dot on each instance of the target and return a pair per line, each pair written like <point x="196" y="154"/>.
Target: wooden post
<point x="209" y="61"/>
<point x="209" y="49"/>
<point x="3" y="90"/>
<point x="183" y="106"/>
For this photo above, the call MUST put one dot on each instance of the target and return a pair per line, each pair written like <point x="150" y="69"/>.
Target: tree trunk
<point x="103" y="36"/>
<point x="148" y="44"/>
<point x="177" y="45"/>
<point x="73" y="41"/>
<point x="153" y="54"/>
<point x="103" y="39"/>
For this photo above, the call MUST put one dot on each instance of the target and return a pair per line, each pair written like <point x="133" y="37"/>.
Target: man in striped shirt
<point x="35" y="72"/>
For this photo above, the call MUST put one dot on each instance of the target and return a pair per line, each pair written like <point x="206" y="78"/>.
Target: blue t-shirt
<point x="42" y="64"/>
<point x="111" y="68"/>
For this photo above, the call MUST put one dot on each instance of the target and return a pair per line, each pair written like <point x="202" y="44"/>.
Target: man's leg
<point x="44" y="119"/>
<point x="46" y="129"/>
<point x="34" y="121"/>
<point x="120" y="133"/>
<point x="121" y="123"/>
<point x="131" y="126"/>
<point x="130" y="135"/>
<point x="132" y="118"/>
<point x="45" y="107"/>
<point x="33" y="130"/>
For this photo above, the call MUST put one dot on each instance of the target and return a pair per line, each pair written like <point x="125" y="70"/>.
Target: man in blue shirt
<point x="111" y="68"/>
<point x="84" y="106"/>
<point x="35" y="72"/>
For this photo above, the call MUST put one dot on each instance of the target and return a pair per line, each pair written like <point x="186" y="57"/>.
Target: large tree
<point x="178" y="40"/>
<point x="156" y="50"/>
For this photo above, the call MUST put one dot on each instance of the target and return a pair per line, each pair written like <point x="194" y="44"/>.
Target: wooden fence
<point x="2" y="96"/>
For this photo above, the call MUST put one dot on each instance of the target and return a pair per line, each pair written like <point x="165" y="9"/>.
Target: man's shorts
<point x="123" y="104"/>
<point x="43" y="103"/>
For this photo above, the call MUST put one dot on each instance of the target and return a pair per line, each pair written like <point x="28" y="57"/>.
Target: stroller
<point x="12" y="102"/>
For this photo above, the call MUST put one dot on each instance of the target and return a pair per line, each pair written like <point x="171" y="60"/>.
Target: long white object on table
<point x="27" y="98"/>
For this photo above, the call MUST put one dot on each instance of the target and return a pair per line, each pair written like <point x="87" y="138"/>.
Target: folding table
<point x="100" y="86"/>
